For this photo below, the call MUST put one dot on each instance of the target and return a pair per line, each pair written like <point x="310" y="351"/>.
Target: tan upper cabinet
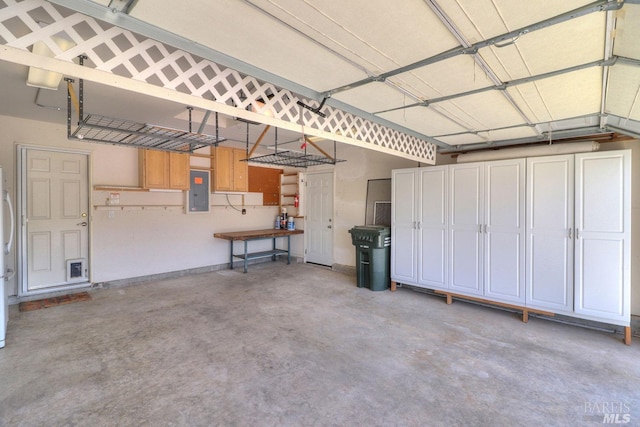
<point x="163" y="170"/>
<point x="230" y="172"/>
<point x="179" y="171"/>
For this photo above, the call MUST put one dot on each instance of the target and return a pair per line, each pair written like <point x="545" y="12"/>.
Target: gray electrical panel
<point x="198" y="191"/>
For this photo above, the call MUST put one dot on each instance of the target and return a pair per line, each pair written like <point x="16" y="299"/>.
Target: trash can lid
<point x="370" y="229"/>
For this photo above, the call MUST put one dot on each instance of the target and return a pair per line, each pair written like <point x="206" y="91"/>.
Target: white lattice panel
<point x="121" y="52"/>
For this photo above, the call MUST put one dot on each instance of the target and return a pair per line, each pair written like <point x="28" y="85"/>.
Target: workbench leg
<point x="273" y="257"/>
<point x="245" y="256"/>
<point x="231" y="253"/>
<point x="288" y="249"/>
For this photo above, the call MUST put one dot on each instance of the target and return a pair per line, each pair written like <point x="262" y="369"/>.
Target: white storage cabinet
<point x="579" y="235"/>
<point x="487" y="230"/>
<point x="547" y="233"/>
<point x="419" y="218"/>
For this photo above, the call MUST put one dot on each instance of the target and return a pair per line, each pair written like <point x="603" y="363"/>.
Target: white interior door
<point x="319" y="218"/>
<point x="55" y="208"/>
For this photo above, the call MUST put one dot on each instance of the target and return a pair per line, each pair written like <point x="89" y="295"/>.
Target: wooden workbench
<point x="249" y="235"/>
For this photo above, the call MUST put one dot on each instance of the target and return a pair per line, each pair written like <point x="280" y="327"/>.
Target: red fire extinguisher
<point x="296" y="200"/>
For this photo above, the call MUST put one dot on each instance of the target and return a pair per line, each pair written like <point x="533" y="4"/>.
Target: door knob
<point x="84" y="223"/>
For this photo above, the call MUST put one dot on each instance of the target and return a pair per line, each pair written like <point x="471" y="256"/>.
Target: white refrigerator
<point x="6" y="246"/>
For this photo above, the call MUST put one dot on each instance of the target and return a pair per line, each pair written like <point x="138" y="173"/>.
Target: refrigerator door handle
<point x="7" y="246"/>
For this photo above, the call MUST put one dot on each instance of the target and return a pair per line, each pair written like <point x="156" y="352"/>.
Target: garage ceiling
<point x="463" y="74"/>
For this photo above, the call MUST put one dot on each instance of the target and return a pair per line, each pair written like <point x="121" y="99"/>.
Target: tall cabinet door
<point x="432" y="227"/>
<point x="403" y="222"/>
<point x="602" y="236"/>
<point x="504" y="230"/>
<point x="549" y="253"/>
<point x="465" y="223"/>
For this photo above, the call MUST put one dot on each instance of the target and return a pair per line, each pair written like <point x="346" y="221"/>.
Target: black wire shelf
<point x="109" y="130"/>
<point x="293" y="159"/>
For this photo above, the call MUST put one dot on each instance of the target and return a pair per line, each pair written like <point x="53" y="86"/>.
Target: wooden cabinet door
<point x="223" y="169"/>
<point x="162" y="170"/>
<point x="602" y="235"/>
<point x="504" y="230"/>
<point x="230" y="172"/>
<point x="153" y="169"/>
<point x="240" y="171"/>
<point x="178" y="171"/>
<point x="549" y="252"/>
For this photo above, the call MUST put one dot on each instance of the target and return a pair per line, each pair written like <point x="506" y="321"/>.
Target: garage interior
<point x="337" y="94"/>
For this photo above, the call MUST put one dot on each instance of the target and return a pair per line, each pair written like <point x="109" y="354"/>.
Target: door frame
<point x="21" y="210"/>
<point x="333" y="210"/>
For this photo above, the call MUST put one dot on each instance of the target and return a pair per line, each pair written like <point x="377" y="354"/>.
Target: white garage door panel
<point x="627" y="40"/>
<point x="623" y="91"/>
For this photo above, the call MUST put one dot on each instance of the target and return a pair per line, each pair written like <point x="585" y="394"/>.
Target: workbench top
<point x="256" y="234"/>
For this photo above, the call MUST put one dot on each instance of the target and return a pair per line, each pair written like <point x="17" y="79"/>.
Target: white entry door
<point x="319" y="218"/>
<point x="55" y="209"/>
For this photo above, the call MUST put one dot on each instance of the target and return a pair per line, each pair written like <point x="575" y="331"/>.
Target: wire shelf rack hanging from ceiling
<point x="296" y="159"/>
<point x="125" y="132"/>
<point x="109" y="130"/>
<point x="293" y="159"/>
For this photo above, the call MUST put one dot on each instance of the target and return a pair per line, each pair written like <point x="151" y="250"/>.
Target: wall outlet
<point x="111" y="214"/>
<point x="244" y="211"/>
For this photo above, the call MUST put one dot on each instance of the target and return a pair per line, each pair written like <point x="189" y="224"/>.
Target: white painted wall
<point x="160" y="237"/>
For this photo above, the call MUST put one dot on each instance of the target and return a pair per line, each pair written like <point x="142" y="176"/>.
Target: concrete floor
<point x="301" y="345"/>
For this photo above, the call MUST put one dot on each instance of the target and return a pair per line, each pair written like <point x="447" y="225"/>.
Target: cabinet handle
<point x="570" y="233"/>
<point x="577" y="233"/>
<point x="480" y="228"/>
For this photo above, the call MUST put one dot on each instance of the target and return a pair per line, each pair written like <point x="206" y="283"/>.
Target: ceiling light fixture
<point x="44" y="79"/>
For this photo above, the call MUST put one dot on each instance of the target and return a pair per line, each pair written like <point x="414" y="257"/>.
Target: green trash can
<point x="373" y="245"/>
